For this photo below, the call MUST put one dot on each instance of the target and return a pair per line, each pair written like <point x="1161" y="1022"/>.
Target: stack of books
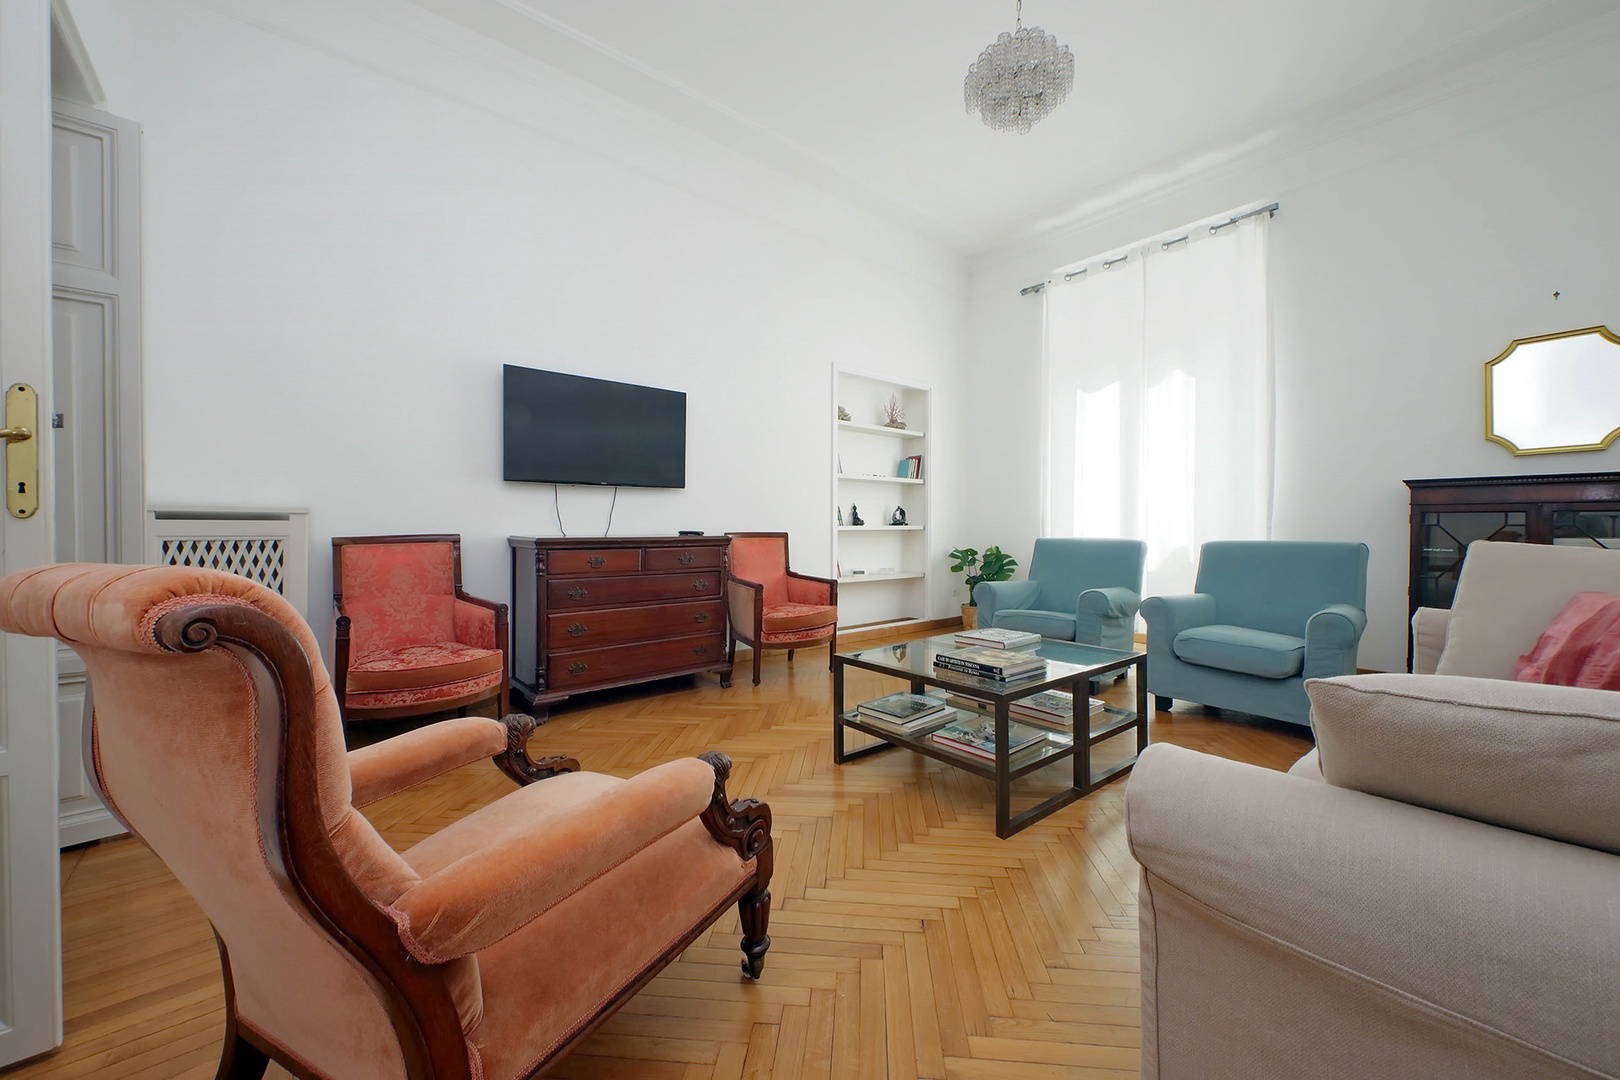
<point x="909" y="468"/>
<point x="975" y="737"/>
<point x="992" y="638"/>
<point x="909" y="714"/>
<point x="1002" y="665"/>
<point x="1050" y="709"/>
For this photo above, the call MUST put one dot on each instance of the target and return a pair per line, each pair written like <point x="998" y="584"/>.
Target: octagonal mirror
<point x="1555" y="394"/>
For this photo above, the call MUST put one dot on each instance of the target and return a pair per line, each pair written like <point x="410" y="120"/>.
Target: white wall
<point x="1411" y="247"/>
<point x="356" y="213"/>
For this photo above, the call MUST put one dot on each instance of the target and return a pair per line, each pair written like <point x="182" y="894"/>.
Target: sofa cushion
<point x="415" y="666"/>
<point x="779" y="618"/>
<point x="1052" y="624"/>
<point x="1237" y="648"/>
<point x="1537" y="759"/>
<point x="1580" y="648"/>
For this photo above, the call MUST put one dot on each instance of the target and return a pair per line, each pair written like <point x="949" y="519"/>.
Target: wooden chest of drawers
<point x="593" y="612"/>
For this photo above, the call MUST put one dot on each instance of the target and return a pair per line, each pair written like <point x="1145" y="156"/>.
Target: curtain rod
<point x="1269" y="211"/>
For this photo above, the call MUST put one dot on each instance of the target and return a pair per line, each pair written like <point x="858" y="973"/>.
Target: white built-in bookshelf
<point x="882" y="568"/>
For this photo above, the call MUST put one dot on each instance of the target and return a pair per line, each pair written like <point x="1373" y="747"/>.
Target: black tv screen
<point x="568" y="429"/>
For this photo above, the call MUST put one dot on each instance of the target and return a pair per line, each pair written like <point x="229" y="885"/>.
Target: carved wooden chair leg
<point x="746" y="826"/>
<point x="238" y="1058"/>
<point x="755" y="911"/>
<point x="515" y="761"/>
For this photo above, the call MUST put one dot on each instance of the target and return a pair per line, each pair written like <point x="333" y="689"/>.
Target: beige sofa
<point x="1446" y="904"/>
<point x="1507" y="594"/>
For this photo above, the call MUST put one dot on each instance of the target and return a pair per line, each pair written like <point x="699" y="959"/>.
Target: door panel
<point x="30" y="874"/>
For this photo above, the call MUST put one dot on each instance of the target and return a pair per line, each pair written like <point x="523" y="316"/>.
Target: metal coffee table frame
<point x="1069" y="667"/>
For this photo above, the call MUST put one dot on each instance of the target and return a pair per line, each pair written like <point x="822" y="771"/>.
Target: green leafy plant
<point x="993" y="565"/>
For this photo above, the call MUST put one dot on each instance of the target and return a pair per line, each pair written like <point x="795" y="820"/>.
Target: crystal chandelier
<point x="1019" y="78"/>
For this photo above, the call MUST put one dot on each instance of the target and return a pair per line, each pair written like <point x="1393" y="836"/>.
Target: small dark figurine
<point x="855" y="515"/>
<point x="899" y="517"/>
<point x="840" y="515"/>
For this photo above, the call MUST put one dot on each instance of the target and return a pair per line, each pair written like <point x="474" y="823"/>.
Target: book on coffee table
<point x="908" y="713"/>
<point x="975" y="736"/>
<point x="1050" y="708"/>
<point x="998" y="638"/>
<point x="1002" y="664"/>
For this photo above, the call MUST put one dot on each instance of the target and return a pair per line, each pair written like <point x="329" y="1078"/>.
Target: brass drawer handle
<point x="701" y="583"/>
<point x="702" y="616"/>
<point x="596" y="560"/>
<point x="700" y="649"/>
<point x="578" y="593"/>
<point x="686" y="558"/>
<point x="577" y="667"/>
<point x="577" y="629"/>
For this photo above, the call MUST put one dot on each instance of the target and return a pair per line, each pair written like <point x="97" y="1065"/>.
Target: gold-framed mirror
<point x="1556" y="393"/>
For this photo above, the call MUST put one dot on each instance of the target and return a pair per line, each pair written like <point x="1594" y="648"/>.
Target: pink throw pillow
<point x="1580" y="648"/>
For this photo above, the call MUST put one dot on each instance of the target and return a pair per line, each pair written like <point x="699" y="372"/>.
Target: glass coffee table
<point x="1069" y="667"/>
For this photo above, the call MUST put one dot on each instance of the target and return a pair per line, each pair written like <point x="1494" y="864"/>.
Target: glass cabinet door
<point x="1443" y="540"/>
<point x="1595" y="527"/>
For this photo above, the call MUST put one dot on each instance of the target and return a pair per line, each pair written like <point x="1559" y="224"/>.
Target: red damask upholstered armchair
<point x="771" y="606"/>
<point x="484" y="951"/>
<point x="409" y="641"/>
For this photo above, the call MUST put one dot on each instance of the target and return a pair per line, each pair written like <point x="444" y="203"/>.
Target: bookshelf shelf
<point x="863" y="579"/>
<point x="881" y="528"/>
<point x="881" y="479"/>
<point x="876" y="429"/>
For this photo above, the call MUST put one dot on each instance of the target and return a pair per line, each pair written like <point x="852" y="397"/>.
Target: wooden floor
<point x="908" y="941"/>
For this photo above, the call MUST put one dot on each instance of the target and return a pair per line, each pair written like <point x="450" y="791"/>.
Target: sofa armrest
<point x="1332" y="637"/>
<point x="1114" y="602"/>
<point x="1431" y="925"/>
<point x="490" y="891"/>
<point x="993" y="596"/>
<point x="1429" y="626"/>
<point x="476" y="622"/>
<point x="1167" y="616"/>
<point x="388" y="767"/>
<point x="808" y="589"/>
<point x="744" y="600"/>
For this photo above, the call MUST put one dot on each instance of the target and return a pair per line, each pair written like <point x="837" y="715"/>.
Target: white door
<point x="30" y="875"/>
<point x="96" y="425"/>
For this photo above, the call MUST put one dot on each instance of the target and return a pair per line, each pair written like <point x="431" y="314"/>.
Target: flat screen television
<point x="569" y="429"/>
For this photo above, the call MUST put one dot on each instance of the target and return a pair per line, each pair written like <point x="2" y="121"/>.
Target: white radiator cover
<point x="269" y="546"/>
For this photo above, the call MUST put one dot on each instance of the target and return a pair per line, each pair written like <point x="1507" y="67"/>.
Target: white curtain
<point x="1159" y="391"/>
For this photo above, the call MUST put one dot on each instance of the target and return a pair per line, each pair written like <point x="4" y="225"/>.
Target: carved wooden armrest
<point x="515" y="761"/>
<point x="744" y="825"/>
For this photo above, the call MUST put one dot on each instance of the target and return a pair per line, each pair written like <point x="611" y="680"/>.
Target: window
<point x="1159" y="386"/>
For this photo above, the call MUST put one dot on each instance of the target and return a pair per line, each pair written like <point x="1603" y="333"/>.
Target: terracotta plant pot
<point x="970" y="616"/>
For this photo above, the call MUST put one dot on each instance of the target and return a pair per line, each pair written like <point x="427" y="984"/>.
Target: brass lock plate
<point x="22" y="451"/>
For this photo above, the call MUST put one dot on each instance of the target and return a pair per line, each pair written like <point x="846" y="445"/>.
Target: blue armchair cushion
<point x="1052" y="624"/>
<point x="1238" y="648"/>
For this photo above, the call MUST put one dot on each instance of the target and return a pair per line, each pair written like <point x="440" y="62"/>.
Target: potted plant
<point x="993" y="565"/>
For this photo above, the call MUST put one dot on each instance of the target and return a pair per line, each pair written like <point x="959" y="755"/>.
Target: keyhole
<point x="22" y="487"/>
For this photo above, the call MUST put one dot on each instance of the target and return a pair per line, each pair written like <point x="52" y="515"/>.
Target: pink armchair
<point x="772" y="607"/>
<point x="408" y="640"/>
<point x="484" y="952"/>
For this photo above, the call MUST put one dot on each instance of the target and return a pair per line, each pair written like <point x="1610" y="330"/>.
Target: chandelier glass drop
<point x="1019" y="78"/>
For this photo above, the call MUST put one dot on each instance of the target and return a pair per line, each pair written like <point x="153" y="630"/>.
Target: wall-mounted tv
<point x="569" y="429"/>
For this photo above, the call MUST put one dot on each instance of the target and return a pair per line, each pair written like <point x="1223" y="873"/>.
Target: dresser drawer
<point x="684" y="558"/>
<point x="615" y="626"/>
<point x="594" y="667"/>
<point x="588" y="561"/>
<point x="644" y="588"/>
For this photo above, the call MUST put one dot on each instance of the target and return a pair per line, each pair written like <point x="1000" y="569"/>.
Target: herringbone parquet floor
<point x="909" y="942"/>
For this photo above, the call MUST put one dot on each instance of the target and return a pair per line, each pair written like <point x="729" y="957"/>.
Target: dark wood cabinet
<point x="593" y="613"/>
<point x="1449" y="514"/>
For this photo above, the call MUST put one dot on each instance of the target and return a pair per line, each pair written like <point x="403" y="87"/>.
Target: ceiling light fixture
<point x="1019" y="78"/>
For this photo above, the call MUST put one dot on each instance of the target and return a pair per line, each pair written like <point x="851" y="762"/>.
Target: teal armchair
<point x="1267" y="615"/>
<point x="1079" y="590"/>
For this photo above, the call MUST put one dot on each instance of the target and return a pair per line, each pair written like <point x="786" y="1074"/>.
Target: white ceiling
<point x="864" y="99"/>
